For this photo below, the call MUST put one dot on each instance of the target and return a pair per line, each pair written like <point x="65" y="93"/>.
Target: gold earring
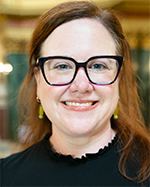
<point x="41" y="111"/>
<point x="116" y="113"/>
<point x="38" y="100"/>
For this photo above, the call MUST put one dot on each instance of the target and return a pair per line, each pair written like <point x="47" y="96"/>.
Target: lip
<point x="80" y="108"/>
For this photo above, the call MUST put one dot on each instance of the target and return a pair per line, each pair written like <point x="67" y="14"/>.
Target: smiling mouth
<point x="79" y="104"/>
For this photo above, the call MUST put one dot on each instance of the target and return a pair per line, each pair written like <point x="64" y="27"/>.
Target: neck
<point x="78" y="146"/>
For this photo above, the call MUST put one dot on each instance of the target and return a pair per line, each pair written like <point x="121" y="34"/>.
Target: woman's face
<point x="79" y="39"/>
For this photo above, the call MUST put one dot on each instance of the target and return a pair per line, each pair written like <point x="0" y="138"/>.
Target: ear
<point x="36" y="73"/>
<point x="37" y="78"/>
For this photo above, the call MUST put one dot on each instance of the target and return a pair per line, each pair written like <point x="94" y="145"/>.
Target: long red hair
<point x="132" y="133"/>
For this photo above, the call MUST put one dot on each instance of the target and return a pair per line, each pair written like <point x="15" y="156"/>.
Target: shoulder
<point x="33" y="153"/>
<point x="1" y="162"/>
<point x="16" y="168"/>
<point x="17" y="159"/>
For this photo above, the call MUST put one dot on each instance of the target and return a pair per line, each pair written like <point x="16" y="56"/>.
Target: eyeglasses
<point x="61" y="70"/>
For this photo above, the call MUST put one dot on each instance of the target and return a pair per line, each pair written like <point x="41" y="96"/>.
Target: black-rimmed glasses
<point x="61" y="70"/>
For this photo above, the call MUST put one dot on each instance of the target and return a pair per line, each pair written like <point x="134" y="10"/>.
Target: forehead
<point x="84" y="34"/>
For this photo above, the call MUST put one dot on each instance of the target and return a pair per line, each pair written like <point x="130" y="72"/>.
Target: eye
<point x="98" y="66"/>
<point x="58" y="65"/>
<point x="62" y="66"/>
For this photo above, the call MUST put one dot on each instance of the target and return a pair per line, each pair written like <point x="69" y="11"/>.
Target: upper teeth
<point x="78" y="104"/>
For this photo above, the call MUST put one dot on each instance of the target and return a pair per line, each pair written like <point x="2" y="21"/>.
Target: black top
<point x="40" y="166"/>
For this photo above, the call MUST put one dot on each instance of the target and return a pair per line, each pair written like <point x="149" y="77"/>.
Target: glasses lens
<point x="102" y="70"/>
<point x="59" y="71"/>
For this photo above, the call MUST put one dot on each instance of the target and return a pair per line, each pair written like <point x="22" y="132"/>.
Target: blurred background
<point x="17" y="20"/>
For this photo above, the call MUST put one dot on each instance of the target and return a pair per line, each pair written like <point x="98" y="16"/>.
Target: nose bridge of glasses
<point x="81" y="66"/>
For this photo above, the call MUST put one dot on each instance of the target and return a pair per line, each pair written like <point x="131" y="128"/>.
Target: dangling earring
<point x="41" y="111"/>
<point x="116" y="113"/>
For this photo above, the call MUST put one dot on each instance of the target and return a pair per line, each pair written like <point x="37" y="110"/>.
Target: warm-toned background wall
<point x="17" y="19"/>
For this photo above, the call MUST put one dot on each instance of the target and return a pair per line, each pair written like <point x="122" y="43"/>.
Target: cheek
<point x="110" y="92"/>
<point x="49" y="98"/>
<point x="50" y="95"/>
<point x="44" y="90"/>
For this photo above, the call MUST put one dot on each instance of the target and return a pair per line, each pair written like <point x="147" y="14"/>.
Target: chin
<point x="81" y="129"/>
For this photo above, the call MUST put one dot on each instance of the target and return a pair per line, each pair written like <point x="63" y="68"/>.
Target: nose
<point x="81" y="83"/>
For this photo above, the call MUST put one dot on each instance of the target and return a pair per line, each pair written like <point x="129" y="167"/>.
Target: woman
<point x="91" y="132"/>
